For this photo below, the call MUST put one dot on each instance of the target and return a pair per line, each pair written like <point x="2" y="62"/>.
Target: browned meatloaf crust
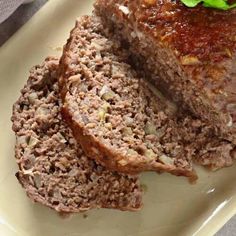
<point x="191" y="53"/>
<point x="53" y="169"/>
<point x="127" y="126"/>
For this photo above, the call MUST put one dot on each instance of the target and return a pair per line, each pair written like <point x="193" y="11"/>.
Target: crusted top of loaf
<point x="205" y="33"/>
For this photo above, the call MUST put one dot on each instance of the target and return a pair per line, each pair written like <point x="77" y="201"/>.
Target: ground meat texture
<point x="209" y="150"/>
<point x="189" y="52"/>
<point x="53" y="169"/>
<point x="121" y="120"/>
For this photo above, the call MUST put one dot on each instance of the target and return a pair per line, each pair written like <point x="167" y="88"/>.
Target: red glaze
<point x="208" y="34"/>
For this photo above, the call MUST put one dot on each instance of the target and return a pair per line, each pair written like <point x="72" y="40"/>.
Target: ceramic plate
<point x="171" y="205"/>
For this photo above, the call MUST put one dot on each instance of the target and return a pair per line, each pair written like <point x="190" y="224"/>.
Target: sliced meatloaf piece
<point x="189" y="52"/>
<point x="113" y="114"/>
<point x="53" y="169"/>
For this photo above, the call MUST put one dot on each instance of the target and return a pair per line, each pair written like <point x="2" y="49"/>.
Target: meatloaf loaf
<point x="189" y="52"/>
<point x="53" y="169"/>
<point x="120" y="120"/>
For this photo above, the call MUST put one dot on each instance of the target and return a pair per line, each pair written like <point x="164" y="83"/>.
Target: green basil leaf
<point x="218" y="4"/>
<point x="191" y="3"/>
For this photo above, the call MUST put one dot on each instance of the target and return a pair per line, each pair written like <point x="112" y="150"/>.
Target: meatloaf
<point x="53" y="169"/>
<point x="123" y="122"/>
<point x="190" y="53"/>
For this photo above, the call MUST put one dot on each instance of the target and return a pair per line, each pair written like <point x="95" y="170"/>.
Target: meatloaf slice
<point x="190" y="53"/>
<point x="53" y="169"/>
<point x="113" y="114"/>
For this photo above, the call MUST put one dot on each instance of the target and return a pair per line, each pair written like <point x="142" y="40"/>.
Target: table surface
<point x="20" y="17"/>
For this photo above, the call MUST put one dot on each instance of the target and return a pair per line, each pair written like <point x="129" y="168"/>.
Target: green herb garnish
<point x="218" y="4"/>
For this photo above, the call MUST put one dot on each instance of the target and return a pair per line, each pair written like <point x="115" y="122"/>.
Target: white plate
<point x="171" y="205"/>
